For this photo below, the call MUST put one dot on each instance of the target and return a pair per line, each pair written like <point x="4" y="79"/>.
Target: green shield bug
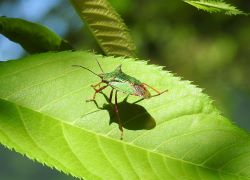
<point x="120" y="82"/>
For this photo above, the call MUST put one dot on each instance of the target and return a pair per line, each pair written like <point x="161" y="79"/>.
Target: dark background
<point x="212" y="50"/>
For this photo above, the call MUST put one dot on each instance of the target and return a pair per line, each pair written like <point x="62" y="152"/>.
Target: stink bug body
<point x="120" y="81"/>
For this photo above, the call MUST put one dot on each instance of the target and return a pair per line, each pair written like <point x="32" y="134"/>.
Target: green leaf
<point x="215" y="6"/>
<point x="33" y="37"/>
<point x="107" y="27"/>
<point x="177" y="135"/>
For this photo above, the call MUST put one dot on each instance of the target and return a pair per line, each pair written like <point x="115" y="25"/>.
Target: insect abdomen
<point x="141" y="91"/>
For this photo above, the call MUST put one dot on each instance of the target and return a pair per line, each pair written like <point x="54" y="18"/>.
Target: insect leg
<point x="118" y="116"/>
<point x="158" y="92"/>
<point x="98" y="84"/>
<point x="97" y="91"/>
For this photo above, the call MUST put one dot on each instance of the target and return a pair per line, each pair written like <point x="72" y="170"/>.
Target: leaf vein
<point x="188" y="134"/>
<point x="106" y="157"/>
<point x="33" y="141"/>
<point x="128" y="158"/>
<point x="40" y="83"/>
<point x="74" y="154"/>
<point x="152" y="167"/>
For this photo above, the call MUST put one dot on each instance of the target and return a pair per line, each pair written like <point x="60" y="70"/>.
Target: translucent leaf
<point x="177" y="135"/>
<point x="107" y="26"/>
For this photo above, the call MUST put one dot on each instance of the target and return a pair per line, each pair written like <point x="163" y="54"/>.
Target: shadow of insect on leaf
<point x="133" y="116"/>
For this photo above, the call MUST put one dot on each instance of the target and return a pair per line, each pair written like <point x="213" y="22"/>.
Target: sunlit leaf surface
<point x="177" y="135"/>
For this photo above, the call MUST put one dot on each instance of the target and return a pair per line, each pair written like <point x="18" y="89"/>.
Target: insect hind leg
<point x="118" y="116"/>
<point x="158" y="92"/>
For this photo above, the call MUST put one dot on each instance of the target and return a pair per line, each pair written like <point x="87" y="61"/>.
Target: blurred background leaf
<point x="213" y="50"/>
<point x="34" y="38"/>
<point x="215" y="6"/>
<point x="107" y="27"/>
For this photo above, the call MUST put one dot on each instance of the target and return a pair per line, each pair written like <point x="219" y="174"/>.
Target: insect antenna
<point x="99" y="65"/>
<point x="75" y="65"/>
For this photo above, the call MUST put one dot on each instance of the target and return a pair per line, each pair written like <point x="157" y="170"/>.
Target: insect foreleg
<point x="98" y="84"/>
<point x="97" y="91"/>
